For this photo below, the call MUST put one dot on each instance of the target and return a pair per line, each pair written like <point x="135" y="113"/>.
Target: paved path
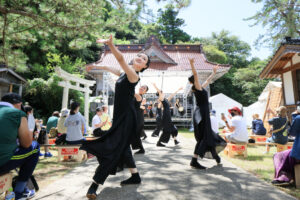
<point x="166" y="175"/>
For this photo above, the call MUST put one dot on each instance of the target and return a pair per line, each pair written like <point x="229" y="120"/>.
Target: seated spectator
<point x="97" y="123"/>
<point x="30" y="118"/>
<point x="279" y="130"/>
<point x="214" y="122"/>
<point x="13" y="154"/>
<point x="61" y="129"/>
<point x="105" y="116"/>
<point x="75" y="125"/>
<point x="258" y="126"/>
<point x="238" y="128"/>
<point x="296" y="112"/>
<point x="285" y="161"/>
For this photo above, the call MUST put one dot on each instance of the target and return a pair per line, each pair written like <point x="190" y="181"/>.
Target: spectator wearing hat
<point x="97" y="123"/>
<point x="16" y="146"/>
<point x="280" y="124"/>
<point x="258" y="126"/>
<point x="238" y="127"/>
<point x="61" y="129"/>
<point x="214" y="122"/>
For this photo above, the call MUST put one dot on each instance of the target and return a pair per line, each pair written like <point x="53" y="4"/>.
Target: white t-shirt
<point x="74" y="125"/>
<point x="31" y="122"/>
<point x="214" y="123"/>
<point x="96" y="120"/>
<point x="240" y="133"/>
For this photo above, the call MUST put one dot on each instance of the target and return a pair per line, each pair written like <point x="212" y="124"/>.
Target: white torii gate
<point x="66" y="84"/>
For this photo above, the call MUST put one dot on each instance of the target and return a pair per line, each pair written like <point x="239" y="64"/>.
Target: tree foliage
<point x="281" y="18"/>
<point x="170" y="26"/>
<point x="242" y="82"/>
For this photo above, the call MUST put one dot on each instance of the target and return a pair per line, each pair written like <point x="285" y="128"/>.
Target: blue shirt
<point x="258" y="127"/>
<point x="279" y="137"/>
<point x="295" y="130"/>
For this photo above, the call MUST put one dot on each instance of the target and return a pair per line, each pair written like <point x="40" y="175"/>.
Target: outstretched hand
<point x="89" y="67"/>
<point x="215" y="69"/>
<point x="105" y="41"/>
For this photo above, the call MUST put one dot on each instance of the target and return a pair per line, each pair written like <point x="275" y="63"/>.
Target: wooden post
<point x="297" y="176"/>
<point x="10" y="88"/>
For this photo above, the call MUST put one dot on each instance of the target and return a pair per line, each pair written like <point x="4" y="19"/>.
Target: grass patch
<point x="257" y="163"/>
<point x="262" y="166"/>
<point x="49" y="169"/>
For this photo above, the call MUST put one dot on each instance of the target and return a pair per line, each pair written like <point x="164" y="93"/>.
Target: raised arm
<point x="130" y="72"/>
<point x="173" y="95"/>
<point x="109" y="69"/>
<point x="208" y="80"/>
<point x="161" y="95"/>
<point x="197" y="84"/>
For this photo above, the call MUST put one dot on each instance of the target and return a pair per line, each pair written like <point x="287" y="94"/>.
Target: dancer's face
<point x="140" y="61"/>
<point x="142" y="90"/>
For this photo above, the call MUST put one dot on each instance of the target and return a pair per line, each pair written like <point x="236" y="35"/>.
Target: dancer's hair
<point x="191" y="79"/>
<point x="146" y="86"/>
<point x="55" y="113"/>
<point x="148" y="62"/>
<point x="73" y="107"/>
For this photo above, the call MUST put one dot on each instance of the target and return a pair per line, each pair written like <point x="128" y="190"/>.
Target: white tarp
<point x="221" y="103"/>
<point x="259" y="107"/>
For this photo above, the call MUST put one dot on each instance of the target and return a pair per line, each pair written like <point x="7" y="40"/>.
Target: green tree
<point x="214" y="54"/>
<point x="248" y="80"/>
<point x="281" y="18"/>
<point x="170" y="26"/>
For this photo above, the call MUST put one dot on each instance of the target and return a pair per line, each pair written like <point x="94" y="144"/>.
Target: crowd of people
<point x="116" y="138"/>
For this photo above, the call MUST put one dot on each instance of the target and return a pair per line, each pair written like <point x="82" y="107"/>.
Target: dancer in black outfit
<point x="136" y="140"/>
<point x="206" y="139"/>
<point x="158" y="117"/>
<point x="168" y="127"/>
<point x="113" y="148"/>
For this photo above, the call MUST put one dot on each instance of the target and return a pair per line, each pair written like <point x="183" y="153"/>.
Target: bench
<point x="283" y="147"/>
<point x="5" y="182"/>
<point x="71" y="150"/>
<point x="259" y="138"/>
<point x="297" y="175"/>
<point x="233" y="150"/>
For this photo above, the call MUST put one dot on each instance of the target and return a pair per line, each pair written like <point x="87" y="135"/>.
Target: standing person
<point x="24" y="153"/>
<point x="142" y="110"/>
<point x="158" y="117"/>
<point x="206" y="140"/>
<point x="279" y="130"/>
<point x="75" y="124"/>
<point x="258" y="126"/>
<point x="97" y="123"/>
<point x="168" y="127"/>
<point x="136" y="142"/>
<point x="113" y="149"/>
<point x="214" y="122"/>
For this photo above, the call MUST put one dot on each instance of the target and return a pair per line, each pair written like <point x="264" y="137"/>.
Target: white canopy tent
<point x="221" y="103"/>
<point x="259" y="107"/>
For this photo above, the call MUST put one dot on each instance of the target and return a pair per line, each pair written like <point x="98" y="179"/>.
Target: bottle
<point x="10" y="195"/>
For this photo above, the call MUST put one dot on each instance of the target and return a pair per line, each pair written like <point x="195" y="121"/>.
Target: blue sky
<point x="203" y="17"/>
